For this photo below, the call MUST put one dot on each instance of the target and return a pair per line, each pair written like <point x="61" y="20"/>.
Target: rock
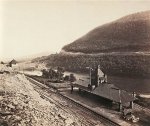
<point x="5" y="113"/>
<point x="22" y="105"/>
<point x="68" y="121"/>
<point x="17" y="117"/>
<point x="15" y="102"/>
<point x="1" y="98"/>
<point x="11" y="106"/>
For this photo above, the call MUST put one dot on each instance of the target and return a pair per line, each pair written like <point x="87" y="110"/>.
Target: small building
<point x="100" y="87"/>
<point x="12" y="63"/>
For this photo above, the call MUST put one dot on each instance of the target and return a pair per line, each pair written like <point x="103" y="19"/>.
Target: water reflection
<point x="139" y="85"/>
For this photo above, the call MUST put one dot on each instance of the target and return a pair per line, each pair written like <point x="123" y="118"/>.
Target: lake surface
<point x="139" y="85"/>
<point x="35" y="72"/>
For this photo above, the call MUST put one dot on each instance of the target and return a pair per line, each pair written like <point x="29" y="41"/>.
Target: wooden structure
<point x="104" y="89"/>
<point x="12" y="62"/>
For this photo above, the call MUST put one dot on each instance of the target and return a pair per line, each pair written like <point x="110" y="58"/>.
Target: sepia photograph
<point x="74" y="62"/>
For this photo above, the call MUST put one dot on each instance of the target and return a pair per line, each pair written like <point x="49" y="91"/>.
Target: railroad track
<point x="58" y="104"/>
<point x="86" y="109"/>
<point x="111" y="123"/>
<point x="136" y="106"/>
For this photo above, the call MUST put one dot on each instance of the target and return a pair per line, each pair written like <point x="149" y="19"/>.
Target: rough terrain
<point x="21" y="105"/>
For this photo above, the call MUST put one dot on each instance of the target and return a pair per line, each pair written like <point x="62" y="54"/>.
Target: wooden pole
<point x="71" y="89"/>
<point x="120" y="104"/>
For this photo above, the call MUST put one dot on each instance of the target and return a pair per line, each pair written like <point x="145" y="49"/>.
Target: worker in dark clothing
<point x="72" y="79"/>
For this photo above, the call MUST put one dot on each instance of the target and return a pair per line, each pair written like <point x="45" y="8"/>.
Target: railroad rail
<point x="104" y="119"/>
<point x="45" y="96"/>
<point x="141" y="108"/>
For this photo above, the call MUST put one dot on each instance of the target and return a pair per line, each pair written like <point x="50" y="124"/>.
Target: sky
<point x="30" y="27"/>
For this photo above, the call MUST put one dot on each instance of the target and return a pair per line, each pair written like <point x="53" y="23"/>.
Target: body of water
<point x="139" y="85"/>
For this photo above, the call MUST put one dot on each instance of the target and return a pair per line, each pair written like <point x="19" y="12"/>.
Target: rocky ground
<point x="21" y="105"/>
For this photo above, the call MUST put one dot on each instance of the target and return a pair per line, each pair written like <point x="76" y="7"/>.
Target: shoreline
<point x="146" y="95"/>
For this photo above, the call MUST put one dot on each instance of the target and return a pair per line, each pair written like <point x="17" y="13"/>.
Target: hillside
<point x="136" y="65"/>
<point x="22" y="104"/>
<point x="128" y="34"/>
<point x="121" y="48"/>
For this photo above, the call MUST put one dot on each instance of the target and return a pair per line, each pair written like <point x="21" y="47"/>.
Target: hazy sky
<point x="29" y="27"/>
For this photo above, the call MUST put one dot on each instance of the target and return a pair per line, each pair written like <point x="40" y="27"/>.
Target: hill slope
<point x="128" y="34"/>
<point x="121" y="47"/>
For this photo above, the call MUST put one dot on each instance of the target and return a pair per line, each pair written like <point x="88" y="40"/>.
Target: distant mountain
<point x="128" y="34"/>
<point x="33" y="56"/>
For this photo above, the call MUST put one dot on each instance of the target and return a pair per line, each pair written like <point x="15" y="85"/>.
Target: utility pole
<point x="90" y="75"/>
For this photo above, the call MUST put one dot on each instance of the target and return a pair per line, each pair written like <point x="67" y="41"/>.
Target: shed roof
<point x="111" y="92"/>
<point x="108" y="91"/>
<point x="13" y="61"/>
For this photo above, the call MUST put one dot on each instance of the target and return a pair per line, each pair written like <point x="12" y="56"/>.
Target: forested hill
<point x="121" y="47"/>
<point x="128" y="34"/>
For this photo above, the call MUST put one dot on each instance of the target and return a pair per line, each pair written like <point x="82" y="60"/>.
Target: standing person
<point x="72" y="79"/>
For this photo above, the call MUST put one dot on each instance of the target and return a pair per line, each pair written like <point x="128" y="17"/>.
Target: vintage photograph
<point x="74" y="63"/>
